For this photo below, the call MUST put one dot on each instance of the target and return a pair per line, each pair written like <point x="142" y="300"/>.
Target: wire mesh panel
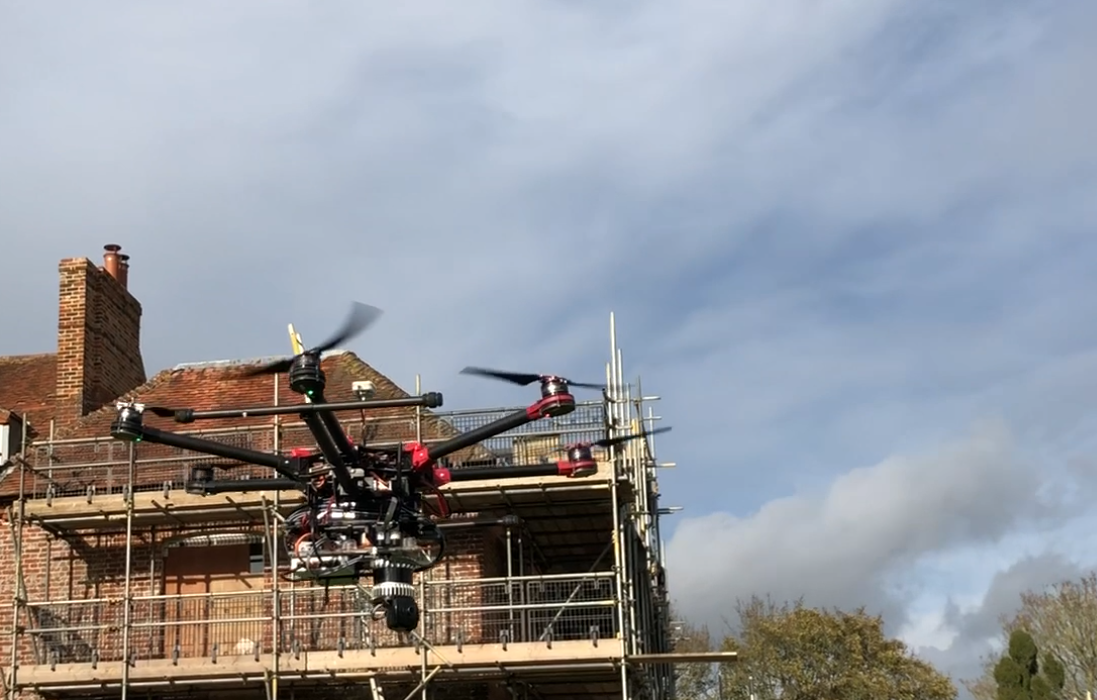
<point x="101" y="466"/>
<point x="336" y="618"/>
<point x="528" y="609"/>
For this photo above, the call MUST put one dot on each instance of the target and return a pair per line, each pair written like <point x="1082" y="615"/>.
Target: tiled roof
<point x="27" y="385"/>
<point x="212" y="385"/>
<point x="218" y="385"/>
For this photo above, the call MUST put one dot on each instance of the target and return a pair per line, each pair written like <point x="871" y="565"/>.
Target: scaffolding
<point x="563" y="597"/>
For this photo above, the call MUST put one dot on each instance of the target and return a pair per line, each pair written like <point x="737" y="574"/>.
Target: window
<point x="257" y="558"/>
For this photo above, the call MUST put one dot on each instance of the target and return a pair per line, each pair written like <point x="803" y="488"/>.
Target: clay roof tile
<point x="27" y="385"/>
<point x="213" y="385"/>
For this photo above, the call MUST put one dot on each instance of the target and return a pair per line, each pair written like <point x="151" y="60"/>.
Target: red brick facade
<point x="92" y="568"/>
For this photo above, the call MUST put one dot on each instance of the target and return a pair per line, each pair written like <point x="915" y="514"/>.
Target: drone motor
<point x="306" y="377"/>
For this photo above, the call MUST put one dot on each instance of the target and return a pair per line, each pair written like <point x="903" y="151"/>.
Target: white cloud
<point x="839" y="546"/>
<point x="927" y="629"/>
<point x="940" y="544"/>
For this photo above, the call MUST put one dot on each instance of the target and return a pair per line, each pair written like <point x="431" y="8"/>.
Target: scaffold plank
<point x="150" y="508"/>
<point x="684" y="657"/>
<point x="153" y="508"/>
<point x="383" y="663"/>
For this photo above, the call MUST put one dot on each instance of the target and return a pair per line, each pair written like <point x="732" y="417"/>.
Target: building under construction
<point x="116" y="582"/>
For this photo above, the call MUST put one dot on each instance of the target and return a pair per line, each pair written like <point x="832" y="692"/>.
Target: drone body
<point x="367" y="512"/>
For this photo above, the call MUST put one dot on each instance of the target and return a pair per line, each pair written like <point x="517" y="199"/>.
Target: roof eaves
<point x="247" y="362"/>
<point x="27" y="358"/>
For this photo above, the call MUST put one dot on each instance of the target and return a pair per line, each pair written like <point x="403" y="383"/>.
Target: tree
<point x="793" y="652"/>
<point x="1020" y="675"/>
<point x="692" y="681"/>
<point x="1062" y="622"/>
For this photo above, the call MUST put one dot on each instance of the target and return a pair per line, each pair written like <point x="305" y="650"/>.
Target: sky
<point x="847" y="243"/>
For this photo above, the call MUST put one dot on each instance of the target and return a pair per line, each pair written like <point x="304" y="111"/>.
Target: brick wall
<point x="72" y="573"/>
<point x="84" y="580"/>
<point x="98" y="340"/>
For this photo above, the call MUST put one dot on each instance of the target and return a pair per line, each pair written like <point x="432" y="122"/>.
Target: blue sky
<point x="849" y="242"/>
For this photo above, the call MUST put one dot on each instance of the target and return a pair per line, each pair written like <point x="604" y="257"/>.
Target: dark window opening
<point x="257" y="558"/>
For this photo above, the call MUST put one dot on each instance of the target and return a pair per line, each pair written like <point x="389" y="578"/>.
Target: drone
<point x="369" y="511"/>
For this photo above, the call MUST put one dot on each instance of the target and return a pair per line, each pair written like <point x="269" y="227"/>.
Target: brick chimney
<point x="98" y="335"/>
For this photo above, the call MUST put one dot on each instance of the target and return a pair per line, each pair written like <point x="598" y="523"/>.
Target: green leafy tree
<point x="1062" y="623"/>
<point x="693" y="681"/>
<point x="792" y="652"/>
<point x="1020" y="675"/>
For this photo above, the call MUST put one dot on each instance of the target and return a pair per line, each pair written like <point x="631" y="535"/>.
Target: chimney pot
<point x="123" y="270"/>
<point x="110" y="259"/>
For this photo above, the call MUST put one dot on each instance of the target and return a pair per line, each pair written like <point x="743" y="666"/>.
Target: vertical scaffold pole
<point x="269" y="524"/>
<point x="630" y="517"/>
<point x="418" y="410"/>
<point x="19" y="593"/>
<point x="613" y="396"/>
<point x="127" y="596"/>
<point x="271" y="533"/>
<point x="424" y="679"/>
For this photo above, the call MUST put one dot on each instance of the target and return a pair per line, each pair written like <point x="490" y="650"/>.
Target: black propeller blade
<point x="361" y="317"/>
<point x="524" y="379"/>
<point x="608" y="442"/>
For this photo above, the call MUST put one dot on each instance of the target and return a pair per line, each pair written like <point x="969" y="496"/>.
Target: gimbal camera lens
<point x="402" y="614"/>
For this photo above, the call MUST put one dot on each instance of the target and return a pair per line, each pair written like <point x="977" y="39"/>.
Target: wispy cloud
<point x="846" y="545"/>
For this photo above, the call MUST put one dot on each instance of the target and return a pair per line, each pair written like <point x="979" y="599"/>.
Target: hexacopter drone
<point x="364" y="511"/>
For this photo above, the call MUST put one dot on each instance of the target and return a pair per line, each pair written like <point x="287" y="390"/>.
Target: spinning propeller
<point x="609" y="442"/>
<point x="581" y="451"/>
<point x="361" y="317"/>
<point x="524" y="379"/>
<point x="162" y="411"/>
